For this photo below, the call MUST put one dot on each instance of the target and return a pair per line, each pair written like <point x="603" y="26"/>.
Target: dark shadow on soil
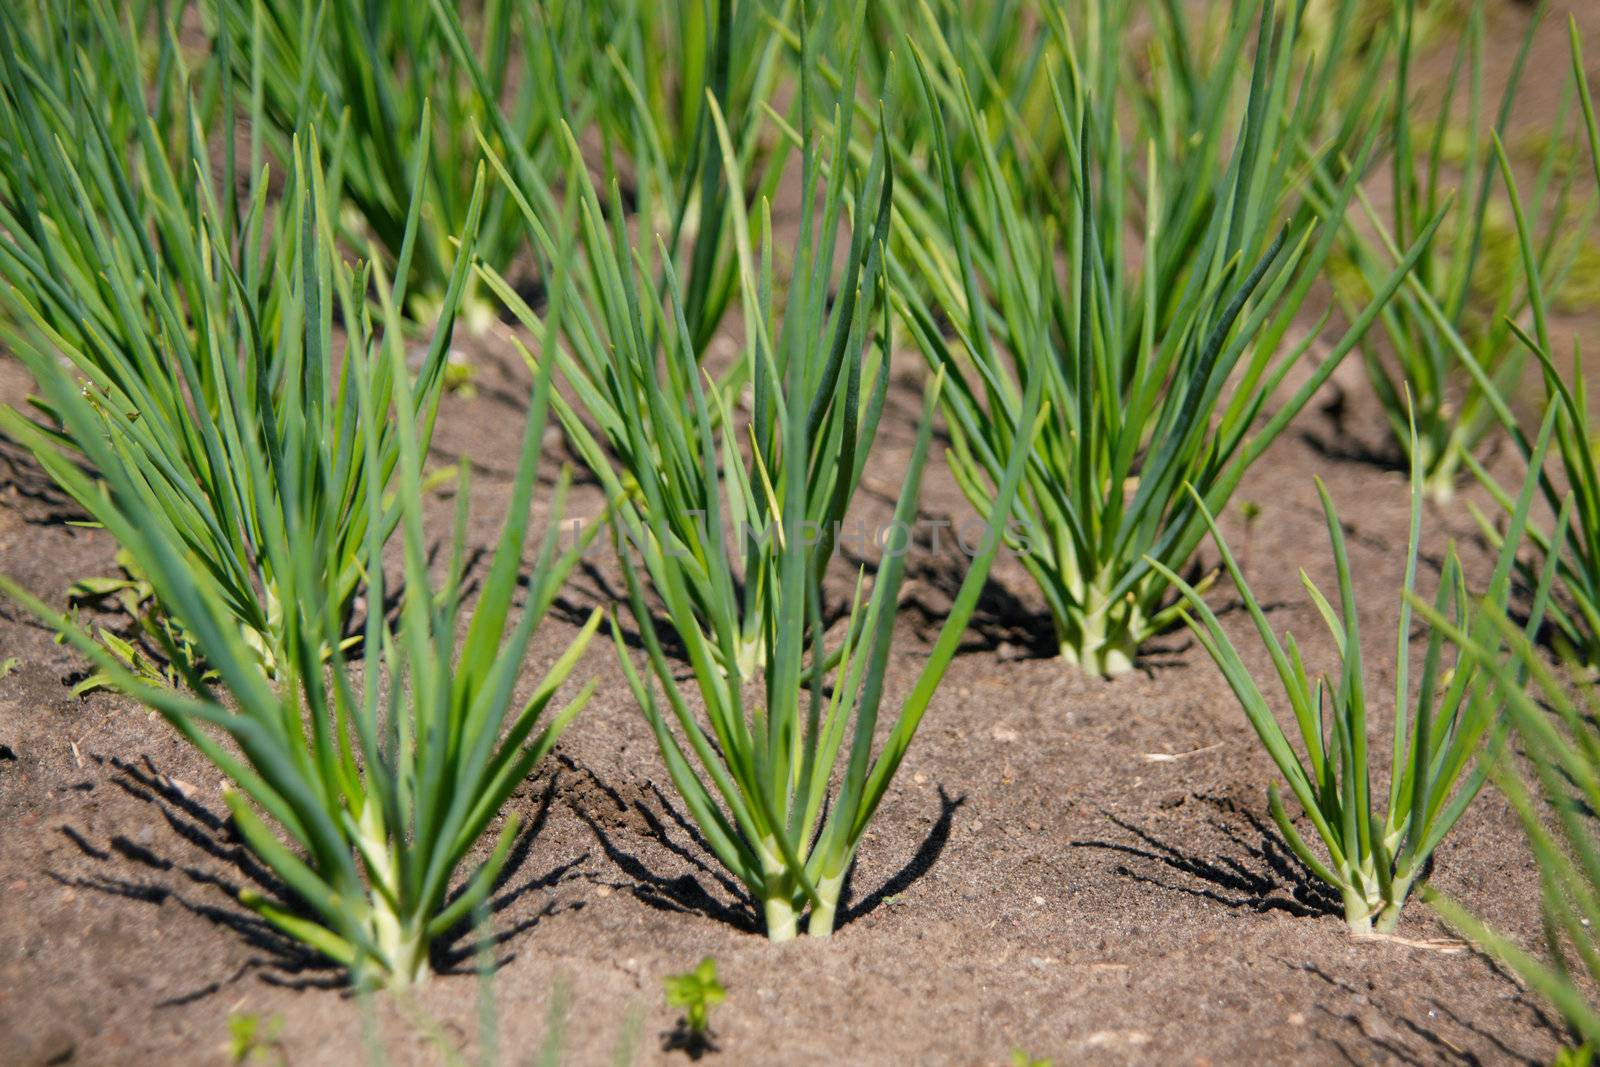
<point x="623" y="623"/>
<point x="457" y="951"/>
<point x="1339" y="447"/>
<point x="1372" y="1027"/>
<point x="43" y="502"/>
<point x="1511" y="1055"/>
<point x="730" y="904"/>
<point x="1260" y="876"/>
<point x="530" y="289"/>
<point x="1001" y="621"/>
<point x="1339" y="443"/>
<point x="692" y="1043"/>
<point x="684" y="893"/>
<point x="919" y="864"/>
<point x="281" y="960"/>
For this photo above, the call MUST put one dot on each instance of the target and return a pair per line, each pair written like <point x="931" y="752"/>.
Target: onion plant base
<point x="1367" y="910"/>
<point x="1099" y="640"/>
<point x="783" y="922"/>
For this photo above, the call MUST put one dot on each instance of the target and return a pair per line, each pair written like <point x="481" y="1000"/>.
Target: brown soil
<point x="1079" y="868"/>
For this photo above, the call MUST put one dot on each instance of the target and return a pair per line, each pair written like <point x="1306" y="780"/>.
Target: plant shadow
<point x="695" y="1044"/>
<point x="730" y="902"/>
<point x="1259" y="873"/>
<point x="1342" y="447"/>
<point x="38" y="500"/>
<point x="138" y="871"/>
<point x="1398" y="1022"/>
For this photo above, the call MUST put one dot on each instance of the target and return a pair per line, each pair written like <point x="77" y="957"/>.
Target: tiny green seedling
<point x="460" y="377"/>
<point x="9" y="666"/>
<point x="1582" y="1056"/>
<point x="697" y="992"/>
<point x="1020" y="1058"/>
<point x="252" y="1039"/>
<point x="1251" y="511"/>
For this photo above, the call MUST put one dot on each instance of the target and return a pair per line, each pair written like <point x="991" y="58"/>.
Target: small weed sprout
<point x="696" y="992"/>
<point x="253" y="1039"/>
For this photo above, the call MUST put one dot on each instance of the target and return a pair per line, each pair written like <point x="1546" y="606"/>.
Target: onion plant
<point x="1479" y="294"/>
<point x="622" y="334"/>
<point x="1156" y="365"/>
<point x="1375" y="855"/>
<point x="199" y="324"/>
<point x="54" y="33"/>
<point x="728" y="511"/>
<point x="377" y="80"/>
<point x="1555" y="791"/>
<point x="1574" y="615"/>
<point x="758" y="772"/>
<point x="365" y="790"/>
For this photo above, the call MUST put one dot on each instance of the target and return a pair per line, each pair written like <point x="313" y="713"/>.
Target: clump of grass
<point x="1375" y="856"/>
<point x="156" y="636"/>
<point x="1155" y="367"/>
<point x="1476" y="292"/>
<point x="364" y="791"/>
<point x="199" y="326"/>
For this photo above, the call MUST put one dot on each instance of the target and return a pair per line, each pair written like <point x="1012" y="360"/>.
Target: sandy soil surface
<point x="1080" y="868"/>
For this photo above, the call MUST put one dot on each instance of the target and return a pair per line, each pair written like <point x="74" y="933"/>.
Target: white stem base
<point x="402" y="951"/>
<point x="782" y="920"/>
